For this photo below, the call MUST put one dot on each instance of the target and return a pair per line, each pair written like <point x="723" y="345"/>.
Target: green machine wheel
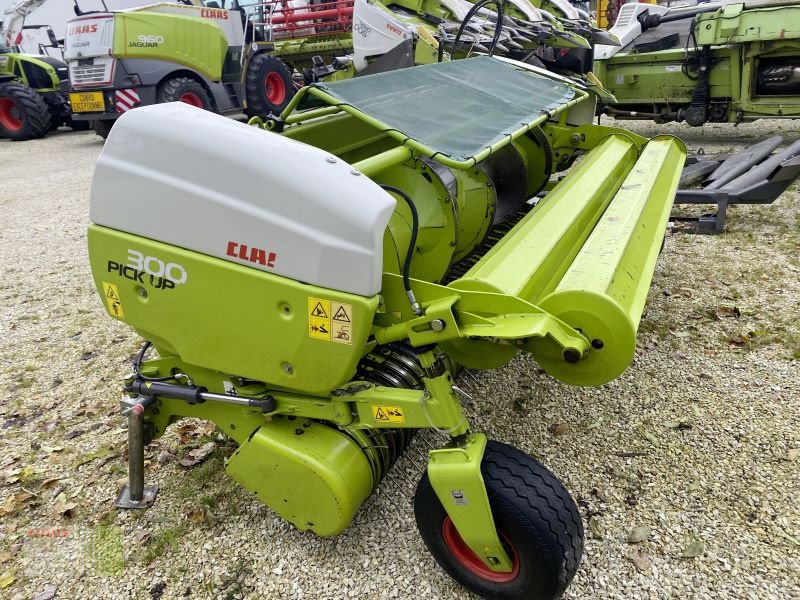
<point x="537" y="520"/>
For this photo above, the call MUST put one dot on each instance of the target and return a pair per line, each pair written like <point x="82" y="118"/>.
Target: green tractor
<point x="205" y="55"/>
<point x="344" y="261"/>
<point x="33" y="88"/>
<point x="713" y="63"/>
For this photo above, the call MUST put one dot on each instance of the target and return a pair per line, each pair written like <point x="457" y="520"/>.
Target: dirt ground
<point x="694" y="451"/>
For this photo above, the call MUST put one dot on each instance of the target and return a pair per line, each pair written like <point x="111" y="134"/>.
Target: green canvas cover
<point x="456" y="108"/>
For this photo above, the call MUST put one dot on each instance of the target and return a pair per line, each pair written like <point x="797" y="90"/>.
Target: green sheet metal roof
<point x="456" y="108"/>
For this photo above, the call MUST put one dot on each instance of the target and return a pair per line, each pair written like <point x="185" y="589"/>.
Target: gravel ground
<point x="695" y="449"/>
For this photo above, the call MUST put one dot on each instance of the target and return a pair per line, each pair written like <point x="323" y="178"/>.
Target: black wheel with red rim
<point x="268" y="85"/>
<point x="183" y="89"/>
<point x="24" y="115"/>
<point x="538" y="522"/>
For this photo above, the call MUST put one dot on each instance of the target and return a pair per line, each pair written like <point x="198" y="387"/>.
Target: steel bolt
<point x="437" y="324"/>
<point x="331" y="159"/>
<point x="287" y="368"/>
<point x="571" y="355"/>
<point x="355" y="172"/>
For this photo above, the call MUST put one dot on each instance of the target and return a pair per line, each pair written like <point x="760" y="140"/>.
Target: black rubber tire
<point x="34" y="114"/>
<point x="77" y="125"/>
<point x="103" y="128"/>
<point x="259" y="68"/>
<point x="532" y="511"/>
<point x="175" y="89"/>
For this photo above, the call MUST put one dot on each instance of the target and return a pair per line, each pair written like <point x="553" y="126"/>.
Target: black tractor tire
<point x="103" y="128"/>
<point x="77" y="125"/>
<point x="24" y="115"/>
<point x="535" y="516"/>
<point x="268" y="86"/>
<point x="183" y="89"/>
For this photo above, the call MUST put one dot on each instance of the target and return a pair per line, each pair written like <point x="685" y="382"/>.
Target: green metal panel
<point x="455" y="475"/>
<point x="195" y="43"/>
<point x="603" y="292"/>
<point x="313" y="476"/>
<point x="531" y="259"/>
<point x="229" y="317"/>
<point x="758" y="24"/>
<point x="658" y="76"/>
<point x="473" y="326"/>
<point x="11" y="65"/>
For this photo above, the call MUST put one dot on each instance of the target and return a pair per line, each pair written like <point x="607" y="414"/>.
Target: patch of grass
<point x="23" y="382"/>
<point x="210" y="501"/>
<point x="164" y="540"/>
<point x="212" y="467"/>
<point x="102" y="452"/>
<point x="29" y="478"/>
<point x="109" y="518"/>
<point x="661" y="330"/>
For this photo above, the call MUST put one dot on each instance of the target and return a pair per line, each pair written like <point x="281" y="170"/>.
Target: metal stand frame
<point x="763" y="192"/>
<point x="135" y="494"/>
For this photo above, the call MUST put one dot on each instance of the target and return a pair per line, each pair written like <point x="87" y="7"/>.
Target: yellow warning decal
<point x="388" y="414"/>
<point x="330" y="321"/>
<point x="341" y="322"/>
<point x="113" y="301"/>
<point x="319" y="318"/>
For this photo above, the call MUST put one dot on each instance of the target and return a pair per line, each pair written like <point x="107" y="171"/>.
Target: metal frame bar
<point x="417" y="147"/>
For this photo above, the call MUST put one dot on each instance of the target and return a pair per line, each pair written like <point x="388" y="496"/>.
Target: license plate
<point x="83" y="102"/>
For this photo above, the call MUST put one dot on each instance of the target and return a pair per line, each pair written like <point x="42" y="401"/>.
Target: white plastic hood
<point x="183" y="176"/>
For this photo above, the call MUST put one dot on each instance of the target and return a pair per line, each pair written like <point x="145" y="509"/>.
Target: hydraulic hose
<point x="411" y="244"/>
<point x="137" y="366"/>
<point x="498" y="25"/>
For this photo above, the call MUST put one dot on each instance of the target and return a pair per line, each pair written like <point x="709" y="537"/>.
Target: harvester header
<point x="414" y="231"/>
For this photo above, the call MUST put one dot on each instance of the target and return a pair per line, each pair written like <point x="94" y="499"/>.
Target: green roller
<point x="530" y="261"/>
<point x="604" y="290"/>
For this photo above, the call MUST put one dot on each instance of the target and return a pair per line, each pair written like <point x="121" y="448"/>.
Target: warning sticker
<point x="319" y="319"/>
<point x="388" y="414"/>
<point x="341" y="312"/>
<point x="330" y="321"/>
<point x="341" y="326"/>
<point x="113" y="301"/>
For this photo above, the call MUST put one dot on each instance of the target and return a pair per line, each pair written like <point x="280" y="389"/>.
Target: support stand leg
<point x="135" y="494"/>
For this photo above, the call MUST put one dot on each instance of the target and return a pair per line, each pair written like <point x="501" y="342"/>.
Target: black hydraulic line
<point x="411" y="244"/>
<point x="137" y="366"/>
<point x="498" y="25"/>
<point x="648" y="21"/>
